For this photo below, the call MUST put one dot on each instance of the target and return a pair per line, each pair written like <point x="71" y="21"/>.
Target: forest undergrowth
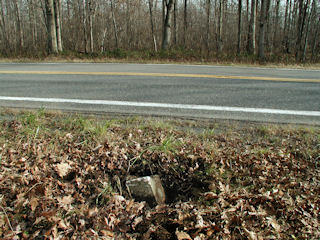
<point x="63" y="176"/>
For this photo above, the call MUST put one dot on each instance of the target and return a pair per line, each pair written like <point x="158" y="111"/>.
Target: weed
<point x="260" y="151"/>
<point x="33" y="119"/>
<point x="264" y="130"/>
<point x="168" y="145"/>
<point x="162" y="125"/>
<point x="100" y="129"/>
<point x="208" y="133"/>
<point x="29" y="118"/>
<point x="104" y="195"/>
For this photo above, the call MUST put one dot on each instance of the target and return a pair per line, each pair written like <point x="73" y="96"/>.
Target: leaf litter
<point x="63" y="177"/>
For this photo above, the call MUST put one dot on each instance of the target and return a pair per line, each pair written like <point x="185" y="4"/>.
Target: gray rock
<point x="147" y="189"/>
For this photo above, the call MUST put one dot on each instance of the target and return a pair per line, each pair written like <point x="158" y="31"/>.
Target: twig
<point x="119" y="184"/>
<point x="5" y="213"/>
<point x="36" y="134"/>
<point x="135" y="159"/>
<point x="33" y="187"/>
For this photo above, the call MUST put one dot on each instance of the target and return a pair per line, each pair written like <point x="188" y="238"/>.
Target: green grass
<point x="168" y="145"/>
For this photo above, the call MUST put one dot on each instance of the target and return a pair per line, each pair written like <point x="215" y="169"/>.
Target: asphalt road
<point x="242" y="93"/>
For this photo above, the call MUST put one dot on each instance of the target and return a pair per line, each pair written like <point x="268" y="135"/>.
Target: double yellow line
<point x="178" y="75"/>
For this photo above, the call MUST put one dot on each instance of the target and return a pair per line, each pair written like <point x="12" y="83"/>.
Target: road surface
<point x="191" y="91"/>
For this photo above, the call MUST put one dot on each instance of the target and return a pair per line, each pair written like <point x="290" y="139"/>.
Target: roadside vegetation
<point x="172" y="56"/>
<point x="62" y="176"/>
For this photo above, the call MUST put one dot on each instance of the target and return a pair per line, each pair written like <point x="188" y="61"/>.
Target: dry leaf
<point x="63" y="169"/>
<point x="107" y="233"/>
<point x="33" y="204"/>
<point x="251" y="235"/>
<point x="65" y="202"/>
<point x="274" y="223"/>
<point x="183" y="236"/>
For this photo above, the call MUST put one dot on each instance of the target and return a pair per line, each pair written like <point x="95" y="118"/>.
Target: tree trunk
<point x="315" y="40"/>
<point x="261" y="44"/>
<point x="220" y="27"/>
<point x="268" y="40"/>
<point x="167" y="24"/>
<point x="286" y="22"/>
<point x="276" y="26"/>
<point x="19" y="25"/>
<point x="32" y="23"/>
<point x="305" y="44"/>
<point x="57" y="8"/>
<point x="185" y="21"/>
<point x="152" y="26"/>
<point x="300" y="30"/>
<point x="114" y="24"/>
<point x="252" y="29"/>
<point x="3" y="24"/>
<point x="175" y="9"/>
<point x="316" y="25"/>
<point x="128" y="24"/>
<point x="239" y="26"/>
<point x="51" y="27"/>
<point x="91" y="13"/>
<point x="290" y="27"/>
<point x="208" y="25"/>
<point x="84" y="22"/>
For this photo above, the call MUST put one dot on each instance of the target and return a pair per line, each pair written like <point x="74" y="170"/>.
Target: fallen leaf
<point x="63" y="169"/>
<point x="33" y="204"/>
<point x="251" y="235"/>
<point x="107" y="233"/>
<point x="274" y="223"/>
<point x="137" y="221"/>
<point x="65" y="202"/>
<point x="183" y="236"/>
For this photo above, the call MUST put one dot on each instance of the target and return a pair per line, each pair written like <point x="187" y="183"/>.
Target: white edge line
<point x="165" y="105"/>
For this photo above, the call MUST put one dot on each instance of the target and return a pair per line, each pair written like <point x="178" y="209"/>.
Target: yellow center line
<point x="163" y="75"/>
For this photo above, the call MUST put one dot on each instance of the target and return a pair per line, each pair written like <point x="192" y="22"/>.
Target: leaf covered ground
<point x="63" y="176"/>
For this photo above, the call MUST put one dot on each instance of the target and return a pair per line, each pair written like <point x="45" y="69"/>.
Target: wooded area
<point x="266" y="29"/>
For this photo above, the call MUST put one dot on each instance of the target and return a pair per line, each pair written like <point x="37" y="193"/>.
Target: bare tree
<point x="114" y="24"/>
<point x="268" y="31"/>
<point x="84" y="25"/>
<point x="208" y="25"/>
<point x="51" y="27"/>
<point x="175" y="24"/>
<point x="316" y="24"/>
<point x="185" y="21"/>
<point x="3" y="25"/>
<point x="152" y="25"/>
<point x="303" y="7"/>
<point x="286" y="23"/>
<point x="91" y="9"/>
<point x="19" y="25"/>
<point x="286" y="27"/>
<point x="305" y="44"/>
<point x="57" y="12"/>
<point x="262" y="27"/>
<point x="276" y="24"/>
<point x="239" y="26"/>
<point x="166" y="42"/>
<point x="220" y="27"/>
<point x="251" y="47"/>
